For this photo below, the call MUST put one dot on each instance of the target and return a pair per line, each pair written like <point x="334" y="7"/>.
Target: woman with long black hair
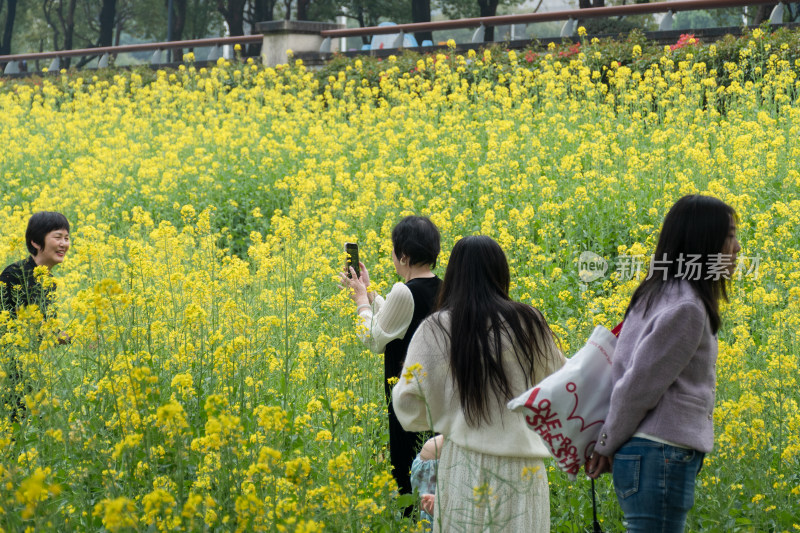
<point x="465" y="362"/>
<point x="660" y="423"/>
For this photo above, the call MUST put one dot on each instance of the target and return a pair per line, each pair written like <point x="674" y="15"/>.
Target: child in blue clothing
<point x="423" y="476"/>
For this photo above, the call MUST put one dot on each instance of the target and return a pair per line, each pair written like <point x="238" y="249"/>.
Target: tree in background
<point x="791" y="13"/>
<point x="364" y="12"/>
<point x="237" y="12"/>
<point x="66" y="24"/>
<point x="302" y="9"/>
<point x="191" y="19"/>
<point x="258" y="11"/>
<point x="61" y="19"/>
<point x="81" y="23"/>
<point x="233" y="11"/>
<point x="456" y="9"/>
<point x="421" y="12"/>
<point x="202" y="20"/>
<point x="8" y="25"/>
<point x="615" y="25"/>
<point x="763" y="12"/>
<point x="261" y="11"/>
<point x="107" y="22"/>
<point x="687" y="20"/>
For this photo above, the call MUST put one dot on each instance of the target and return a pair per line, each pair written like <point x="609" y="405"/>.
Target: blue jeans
<point x="654" y="483"/>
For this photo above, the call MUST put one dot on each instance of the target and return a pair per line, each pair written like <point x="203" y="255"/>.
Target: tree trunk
<point x="178" y="24"/>
<point x="763" y="13"/>
<point x="179" y="19"/>
<point x="69" y="30"/>
<point x="236" y="20"/>
<point x="8" y="30"/>
<point x="488" y="8"/>
<point x="262" y="11"/>
<point x="583" y="4"/>
<point x="234" y="15"/>
<point x="365" y="39"/>
<point x="55" y="39"/>
<point x="421" y="12"/>
<point x="108" y="13"/>
<point x="69" y="25"/>
<point x="302" y="9"/>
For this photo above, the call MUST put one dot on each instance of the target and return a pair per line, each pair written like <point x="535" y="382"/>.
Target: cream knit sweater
<point x="426" y="398"/>
<point x="386" y="320"/>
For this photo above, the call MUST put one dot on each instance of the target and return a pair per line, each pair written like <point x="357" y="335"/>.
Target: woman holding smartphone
<point x="660" y="424"/>
<point x="388" y="324"/>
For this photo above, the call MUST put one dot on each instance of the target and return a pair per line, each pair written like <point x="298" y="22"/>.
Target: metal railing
<point x="570" y="16"/>
<point x="573" y="14"/>
<point x="106" y="52"/>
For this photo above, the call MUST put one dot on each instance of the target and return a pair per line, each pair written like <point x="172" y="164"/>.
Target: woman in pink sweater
<point x="660" y="424"/>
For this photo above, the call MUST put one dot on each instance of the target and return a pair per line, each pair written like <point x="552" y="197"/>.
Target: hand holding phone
<point x="352" y="258"/>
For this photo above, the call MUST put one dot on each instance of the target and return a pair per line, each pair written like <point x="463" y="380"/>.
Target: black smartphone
<point x="352" y="258"/>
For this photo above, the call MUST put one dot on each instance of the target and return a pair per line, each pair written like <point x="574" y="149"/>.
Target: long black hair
<point x="482" y="319"/>
<point x="696" y="226"/>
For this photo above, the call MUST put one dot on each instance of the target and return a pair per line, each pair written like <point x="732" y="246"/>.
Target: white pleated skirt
<point x="485" y="493"/>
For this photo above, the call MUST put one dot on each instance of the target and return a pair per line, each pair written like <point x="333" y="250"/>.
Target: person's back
<point x="503" y="432"/>
<point x="464" y="363"/>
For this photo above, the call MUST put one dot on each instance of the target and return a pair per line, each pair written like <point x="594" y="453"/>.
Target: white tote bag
<point x="567" y="409"/>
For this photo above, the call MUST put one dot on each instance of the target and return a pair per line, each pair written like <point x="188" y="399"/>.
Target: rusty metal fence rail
<point x="571" y="17"/>
<point x="105" y="53"/>
<point x="574" y="14"/>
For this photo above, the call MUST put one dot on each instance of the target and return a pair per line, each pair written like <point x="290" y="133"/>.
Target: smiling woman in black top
<point x="47" y="240"/>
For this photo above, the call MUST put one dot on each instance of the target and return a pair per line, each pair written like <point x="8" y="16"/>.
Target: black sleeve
<point x="11" y="276"/>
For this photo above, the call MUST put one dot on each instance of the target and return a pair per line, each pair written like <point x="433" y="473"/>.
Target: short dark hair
<point x="416" y="238"/>
<point x="42" y="223"/>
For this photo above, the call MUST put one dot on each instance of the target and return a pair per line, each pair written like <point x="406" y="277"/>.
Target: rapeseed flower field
<point x="214" y="381"/>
